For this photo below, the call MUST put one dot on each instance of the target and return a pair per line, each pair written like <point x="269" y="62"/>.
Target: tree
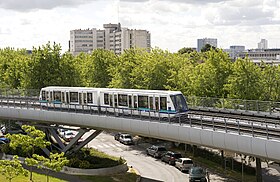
<point x="28" y="143"/>
<point x="207" y="47"/>
<point x="245" y="80"/>
<point x="11" y="67"/>
<point x="96" y="68"/>
<point x="43" y="68"/>
<point x="209" y="77"/>
<point x="55" y="162"/>
<point x="186" y="50"/>
<point x="12" y="168"/>
<point x="270" y="82"/>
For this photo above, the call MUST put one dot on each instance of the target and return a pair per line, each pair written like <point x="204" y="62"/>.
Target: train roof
<point x="110" y="89"/>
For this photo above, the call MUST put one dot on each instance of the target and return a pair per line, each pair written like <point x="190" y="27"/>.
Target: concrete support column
<point x="258" y="170"/>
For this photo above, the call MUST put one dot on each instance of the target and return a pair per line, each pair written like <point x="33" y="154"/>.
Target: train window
<point x="57" y="95"/>
<point x="111" y="99"/>
<point x="43" y="95"/>
<point x="73" y="96"/>
<point x="156" y="103"/>
<point x="89" y="98"/>
<point x="151" y="103"/>
<point x="122" y="98"/>
<point x="143" y="101"/>
<point x="163" y="105"/>
<point x="135" y="101"/>
<point x="179" y="102"/>
<point x="106" y="99"/>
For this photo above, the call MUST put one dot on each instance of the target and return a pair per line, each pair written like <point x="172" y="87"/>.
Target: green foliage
<point x="208" y="73"/>
<point x="244" y="82"/>
<point x="95" y="68"/>
<point x="12" y="168"/>
<point x="93" y="159"/>
<point x="208" y="47"/>
<point x="185" y="50"/>
<point x="34" y="138"/>
<point x="208" y="78"/>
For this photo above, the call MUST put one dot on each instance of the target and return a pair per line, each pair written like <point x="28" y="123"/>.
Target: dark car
<point x="156" y="151"/>
<point x="170" y="157"/>
<point x="197" y="174"/>
<point x="117" y="136"/>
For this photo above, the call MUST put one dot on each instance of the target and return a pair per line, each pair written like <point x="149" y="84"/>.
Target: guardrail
<point x="227" y="125"/>
<point x="235" y="104"/>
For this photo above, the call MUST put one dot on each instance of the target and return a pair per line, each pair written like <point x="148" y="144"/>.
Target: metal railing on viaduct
<point x="242" y="135"/>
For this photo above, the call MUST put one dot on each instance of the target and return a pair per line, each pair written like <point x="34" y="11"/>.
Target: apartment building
<point x="113" y="37"/>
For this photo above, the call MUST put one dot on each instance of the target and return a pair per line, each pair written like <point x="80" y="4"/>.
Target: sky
<point x="173" y="24"/>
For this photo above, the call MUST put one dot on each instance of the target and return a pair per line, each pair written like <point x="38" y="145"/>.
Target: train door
<point x="156" y="103"/>
<point x="130" y="101"/>
<point x="111" y="99"/>
<point x="84" y="98"/>
<point x="151" y="102"/>
<point x="135" y="101"/>
<point x="115" y="99"/>
<point x="67" y="97"/>
<point x="80" y="98"/>
<point x="51" y="96"/>
<point x="62" y="96"/>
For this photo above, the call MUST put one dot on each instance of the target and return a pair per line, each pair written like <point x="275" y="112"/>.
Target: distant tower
<point x="202" y="42"/>
<point x="262" y="44"/>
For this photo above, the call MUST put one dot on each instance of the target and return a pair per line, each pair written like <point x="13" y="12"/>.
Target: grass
<point x="36" y="178"/>
<point x="127" y="177"/>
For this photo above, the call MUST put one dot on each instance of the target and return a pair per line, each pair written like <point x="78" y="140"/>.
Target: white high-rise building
<point x="202" y="42"/>
<point x="262" y="44"/>
<point x="113" y="37"/>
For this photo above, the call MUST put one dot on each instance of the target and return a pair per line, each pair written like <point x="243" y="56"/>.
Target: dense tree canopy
<point x="208" y="74"/>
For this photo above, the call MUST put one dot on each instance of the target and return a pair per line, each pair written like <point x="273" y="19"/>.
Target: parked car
<point x="117" y="136"/>
<point x="68" y="135"/>
<point x="156" y="151"/>
<point x="184" y="164"/>
<point x="126" y="139"/>
<point x="61" y="132"/>
<point x="197" y="174"/>
<point x="170" y="157"/>
<point x="4" y="140"/>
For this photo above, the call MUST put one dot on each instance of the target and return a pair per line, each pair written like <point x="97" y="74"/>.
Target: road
<point x="150" y="169"/>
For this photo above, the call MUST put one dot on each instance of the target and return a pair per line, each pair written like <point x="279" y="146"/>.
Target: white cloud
<point x="173" y="23"/>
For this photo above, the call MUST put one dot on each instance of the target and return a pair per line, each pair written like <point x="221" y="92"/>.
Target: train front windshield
<point x="179" y="102"/>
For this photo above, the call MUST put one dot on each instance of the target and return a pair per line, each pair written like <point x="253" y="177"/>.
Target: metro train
<point x="115" y="100"/>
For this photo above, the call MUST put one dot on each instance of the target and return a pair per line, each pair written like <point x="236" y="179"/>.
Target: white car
<point x="61" y="131"/>
<point x="126" y="139"/>
<point x="184" y="164"/>
<point x="68" y="135"/>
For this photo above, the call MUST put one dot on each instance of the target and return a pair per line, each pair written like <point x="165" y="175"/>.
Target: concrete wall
<point x="246" y="144"/>
<point x="102" y="171"/>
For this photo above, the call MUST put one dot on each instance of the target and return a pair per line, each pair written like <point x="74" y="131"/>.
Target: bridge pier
<point x="258" y="170"/>
<point x="73" y="145"/>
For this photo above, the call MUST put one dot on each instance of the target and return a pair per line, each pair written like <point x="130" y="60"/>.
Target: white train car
<point x="121" y="101"/>
<point x="69" y="97"/>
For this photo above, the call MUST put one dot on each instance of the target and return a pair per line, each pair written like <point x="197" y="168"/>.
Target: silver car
<point x="184" y="164"/>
